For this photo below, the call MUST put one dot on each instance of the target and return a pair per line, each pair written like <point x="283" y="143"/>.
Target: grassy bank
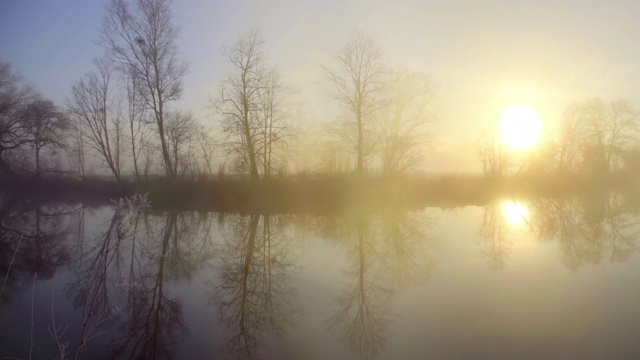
<point x="311" y="194"/>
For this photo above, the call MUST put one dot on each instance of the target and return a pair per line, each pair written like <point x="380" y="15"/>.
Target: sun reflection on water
<point x="515" y="212"/>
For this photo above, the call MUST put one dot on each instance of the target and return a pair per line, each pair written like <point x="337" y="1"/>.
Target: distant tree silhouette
<point x="595" y="137"/>
<point x="494" y="158"/>
<point x="14" y="95"/>
<point x="28" y="121"/>
<point x="405" y="125"/>
<point x="138" y="122"/>
<point x="92" y="105"/>
<point x="45" y="126"/>
<point x="358" y="75"/>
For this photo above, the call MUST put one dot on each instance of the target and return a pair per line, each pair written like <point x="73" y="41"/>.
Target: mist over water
<point x="515" y="278"/>
<point x="319" y="180"/>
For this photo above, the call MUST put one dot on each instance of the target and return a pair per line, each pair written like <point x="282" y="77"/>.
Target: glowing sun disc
<point x="520" y="127"/>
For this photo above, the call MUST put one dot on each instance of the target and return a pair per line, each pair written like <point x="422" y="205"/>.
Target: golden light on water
<point x="515" y="212"/>
<point x="520" y="127"/>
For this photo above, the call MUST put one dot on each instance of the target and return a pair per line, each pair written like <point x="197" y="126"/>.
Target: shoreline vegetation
<point x="315" y="193"/>
<point x="123" y="119"/>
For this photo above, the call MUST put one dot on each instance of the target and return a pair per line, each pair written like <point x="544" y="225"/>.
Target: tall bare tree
<point x="92" y="105"/>
<point x="206" y="146"/>
<point x="618" y="131"/>
<point x="240" y="101"/>
<point x="358" y="75"/>
<point x="138" y="125"/>
<point x="180" y="132"/>
<point x="494" y="158"/>
<point x="572" y="140"/>
<point x="275" y="121"/>
<point x="141" y="37"/>
<point x="406" y="122"/>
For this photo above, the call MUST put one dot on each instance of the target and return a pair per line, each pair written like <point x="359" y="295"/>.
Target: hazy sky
<point x="483" y="56"/>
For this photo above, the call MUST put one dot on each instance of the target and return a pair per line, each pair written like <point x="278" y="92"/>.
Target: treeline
<point x="121" y="118"/>
<point x="596" y="139"/>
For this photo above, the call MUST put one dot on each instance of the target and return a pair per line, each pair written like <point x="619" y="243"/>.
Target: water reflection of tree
<point x="123" y="275"/>
<point x="494" y="233"/>
<point x="388" y="251"/>
<point x="32" y="237"/>
<point x="588" y="229"/>
<point x="153" y="319"/>
<point x="251" y="295"/>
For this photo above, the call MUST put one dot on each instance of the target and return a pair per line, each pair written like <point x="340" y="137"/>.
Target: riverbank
<point x="317" y="194"/>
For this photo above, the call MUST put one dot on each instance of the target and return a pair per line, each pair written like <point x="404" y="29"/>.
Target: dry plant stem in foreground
<point x="33" y="288"/>
<point x="54" y="330"/>
<point x="6" y="276"/>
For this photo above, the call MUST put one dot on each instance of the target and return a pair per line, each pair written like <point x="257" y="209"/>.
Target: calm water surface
<point x="515" y="279"/>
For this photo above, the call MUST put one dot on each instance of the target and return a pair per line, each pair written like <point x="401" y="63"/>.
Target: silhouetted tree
<point x="494" y="158"/>
<point x="141" y="38"/>
<point x="45" y="126"/>
<point x="276" y="127"/>
<point x="406" y="122"/>
<point x="206" y="146"/>
<point x="180" y="130"/>
<point x="93" y="107"/>
<point x="358" y="75"/>
<point x="239" y="100"/>
<point x="251" y="107"/>
<point x="14" y="96"/>
<point x="595" y="135"/>
<point x="572" y="141"/>
<point x="138" y="123"/>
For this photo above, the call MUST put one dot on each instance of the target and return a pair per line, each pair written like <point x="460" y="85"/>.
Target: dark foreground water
<point x="543" y="279"/>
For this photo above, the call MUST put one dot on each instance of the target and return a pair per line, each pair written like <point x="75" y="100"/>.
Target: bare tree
<point x="13" y="97"/>
<point x="180" y="131"/>
<point x="136" y="114"/>
<point x="45" y="126"/>
<point x="275" y="125"/>
<point x="358" y="74"/>
<point x="206" y="147"/>
<point x="239" y="102"/>
<point x="618" y="131"/>
<point x="77" y="151"/>
<point x="572" y="140"/>
<point x="141" y="38"/>
<point x="253" y="108"/>
<point x="406" y="123"/>
<point x="494" y="158"/>
<point x="92" y="106"/>
<point x="596" y="135"/>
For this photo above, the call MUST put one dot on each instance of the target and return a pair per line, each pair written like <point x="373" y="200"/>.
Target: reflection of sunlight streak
<point x="515" y="212"/>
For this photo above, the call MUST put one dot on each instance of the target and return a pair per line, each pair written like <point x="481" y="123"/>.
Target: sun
<point x="520" y="127"/>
